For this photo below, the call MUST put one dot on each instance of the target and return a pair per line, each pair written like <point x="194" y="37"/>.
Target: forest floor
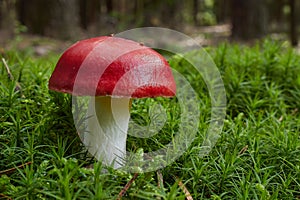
<point x="41" y="45"/>
<point x="203" y="35"/>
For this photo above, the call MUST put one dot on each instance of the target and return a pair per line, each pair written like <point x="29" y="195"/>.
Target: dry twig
<point x="280" y="118"/>
<point x="245" y="148"/>
<point x="294" y="111"/>
<point x="9" y="74"/>
<point x="11" y="77"/>
<point x="188" y="195"/>
<point x="11" y="170"/>
<point x="160" y="181"/>
<point x="3" y="196"/>
<point x="127" y="186"/>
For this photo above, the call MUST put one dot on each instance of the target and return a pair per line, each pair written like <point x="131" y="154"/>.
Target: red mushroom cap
<point x="112" y="66"/>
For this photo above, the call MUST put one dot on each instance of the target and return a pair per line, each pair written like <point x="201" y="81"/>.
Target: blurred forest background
<point x="242" y="20"/>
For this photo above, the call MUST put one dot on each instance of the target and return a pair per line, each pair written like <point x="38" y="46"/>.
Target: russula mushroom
<point x="111" y="71"/>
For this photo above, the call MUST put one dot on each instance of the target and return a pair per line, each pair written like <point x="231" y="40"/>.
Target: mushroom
<point x="111" y="71"/>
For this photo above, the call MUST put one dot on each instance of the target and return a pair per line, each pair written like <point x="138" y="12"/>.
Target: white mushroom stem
<point x="107" y="127"/>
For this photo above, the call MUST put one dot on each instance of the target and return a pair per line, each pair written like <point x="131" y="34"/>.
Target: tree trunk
<point x="64" y="19"/>
<point x="222" y="10"/>
<point x="109" y="6"/>
<point x="139" y="11"/>
<point x="35" y="14"/>
<point x="277" y="10"/>
<point x="89" y="13"/>
<point x="249" y="19"/>
<point x="83" y="14"/>
<point x="170" y="14"/>
<point x="7" y="19"/>
<point x="293" y="24"/>
<point x="195" y="12"/>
